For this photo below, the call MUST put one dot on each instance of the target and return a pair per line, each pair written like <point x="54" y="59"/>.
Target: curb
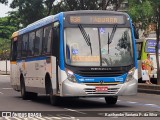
<point x="151" y="89"/>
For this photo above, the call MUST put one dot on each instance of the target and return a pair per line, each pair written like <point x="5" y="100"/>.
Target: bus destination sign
<point x="96" y="19"/>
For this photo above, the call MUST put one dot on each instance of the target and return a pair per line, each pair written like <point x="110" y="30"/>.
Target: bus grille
<point x="100" y="73"/>
<point x="102" y="84"/>
<point x="92" y="91"/>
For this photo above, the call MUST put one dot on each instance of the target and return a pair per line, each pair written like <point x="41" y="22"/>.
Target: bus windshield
<point x="110" y="47"/>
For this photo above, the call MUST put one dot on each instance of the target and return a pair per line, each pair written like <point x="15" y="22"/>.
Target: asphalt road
<point x="146" y="105"/>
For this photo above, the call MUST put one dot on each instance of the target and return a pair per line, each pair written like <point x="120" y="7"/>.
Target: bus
<point x="76" y="54"/>
<point x="144" y="47"/>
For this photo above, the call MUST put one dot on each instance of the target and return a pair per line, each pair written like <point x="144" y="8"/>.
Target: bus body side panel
<point x="34" y="73"/>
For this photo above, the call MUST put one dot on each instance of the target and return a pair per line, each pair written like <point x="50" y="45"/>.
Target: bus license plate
<point x="101" y="89"/>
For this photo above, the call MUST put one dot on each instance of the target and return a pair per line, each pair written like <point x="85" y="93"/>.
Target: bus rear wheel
<point x="111" y="100"/>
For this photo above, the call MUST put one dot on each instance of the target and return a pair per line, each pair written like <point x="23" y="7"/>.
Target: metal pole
<point x="6" y="65"/>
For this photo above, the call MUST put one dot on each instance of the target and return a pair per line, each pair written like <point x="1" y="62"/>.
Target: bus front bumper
<point x="81" y="90"/>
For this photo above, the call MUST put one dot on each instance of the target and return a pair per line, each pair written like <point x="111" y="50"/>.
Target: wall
<point x="3" y="65"/>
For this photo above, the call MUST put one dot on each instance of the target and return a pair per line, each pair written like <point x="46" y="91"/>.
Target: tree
<point x="29" y="11"/>
<point x="6" y="29"/>
<point x="141" y="12"/>
<point x="105" y="3"/>
<point x="4" y="1"/>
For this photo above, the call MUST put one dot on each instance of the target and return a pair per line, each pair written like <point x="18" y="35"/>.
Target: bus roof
<point x="94" y="11"/>
<point x="37" y="24"/>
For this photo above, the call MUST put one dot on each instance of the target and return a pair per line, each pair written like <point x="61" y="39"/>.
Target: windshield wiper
<point x="85" y="36"/>
<point x="110" y="37"/>
<point x="112" y="33"/>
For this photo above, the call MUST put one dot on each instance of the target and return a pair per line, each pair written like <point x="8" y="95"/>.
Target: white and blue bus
<point x="76" y="54"/>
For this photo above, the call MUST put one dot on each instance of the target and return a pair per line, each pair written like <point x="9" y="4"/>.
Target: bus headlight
<point x="130" y="75"/>
<point x="70" y="76"/>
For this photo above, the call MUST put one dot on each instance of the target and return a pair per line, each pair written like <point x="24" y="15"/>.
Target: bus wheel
<point x="24" y="94"/>
<point x="111" y="100"/>
<point x="54" y="100"/>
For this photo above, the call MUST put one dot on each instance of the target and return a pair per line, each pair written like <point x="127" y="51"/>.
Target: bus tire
<point x="54" y="100"/>
<point x="111" y="100"/>
<point x="26" y="95"/>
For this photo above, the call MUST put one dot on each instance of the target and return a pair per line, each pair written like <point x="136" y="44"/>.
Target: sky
<point x="4" y="9"/>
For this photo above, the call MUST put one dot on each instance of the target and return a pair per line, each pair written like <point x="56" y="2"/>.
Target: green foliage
<point x="4" y="1"/>
<point x="4" y="48"/>
<point x="141" y="12"/>
<point x="6" y="29"/>
<point x="28" y="10"/>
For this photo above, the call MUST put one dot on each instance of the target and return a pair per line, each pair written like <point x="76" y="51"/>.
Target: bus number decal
<point x="85" y="58"/>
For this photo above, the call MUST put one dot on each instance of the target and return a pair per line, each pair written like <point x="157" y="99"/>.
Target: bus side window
<point x="14" y="49"/>
<point x="47" y="40"/>
<point x="139" y="50"/>
<point x="24" y="45"/>
<point x="56" y="40"/>
<point x="38" y="42"/>
<point x="31" y="44"/>
<point x="19" y="47"/>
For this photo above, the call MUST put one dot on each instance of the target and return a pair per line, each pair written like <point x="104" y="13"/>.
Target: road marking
<point x="1" y="93"/>
<point x="151" y="104"/>
<point x="16" y="118"/>
<point x="7" y="118"/>
<point x="58" y="118"/>
<point x="74" y="111"/>
<point x="7" y="88"/>
<point x="131" y="102"/>
<point x="101" y="98"/>
<point x="51" y="118"/>
<point x="142" y="104"/>
<point x="39" y="118"/>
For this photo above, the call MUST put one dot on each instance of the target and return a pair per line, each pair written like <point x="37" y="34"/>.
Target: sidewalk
<point x="4" y="73"/>
<point x="149" y="88"/>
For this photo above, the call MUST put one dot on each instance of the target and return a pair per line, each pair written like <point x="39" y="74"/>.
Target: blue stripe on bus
<point x="33" y="59"/>
<point x="61" y="41"/>
<point x="81" y="79"/>
<point x="134" y="44"/>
